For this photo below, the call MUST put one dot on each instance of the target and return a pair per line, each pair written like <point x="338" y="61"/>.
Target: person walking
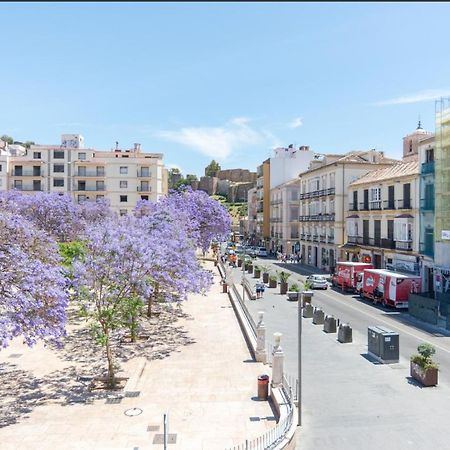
<point x="262" y="289"/>
<point x="258" y="289"/>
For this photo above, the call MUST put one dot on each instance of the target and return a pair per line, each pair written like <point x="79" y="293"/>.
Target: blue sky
<point x="198" y="81"/>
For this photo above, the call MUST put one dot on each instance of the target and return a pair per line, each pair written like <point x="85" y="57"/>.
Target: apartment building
<point x="323" y="203"/>
<point x="284" y="166"/>
<point x="122" y="176"/>
<point x="284" y="217"/>
<point x="383" y="220"/>
<point x="427" y="208"/>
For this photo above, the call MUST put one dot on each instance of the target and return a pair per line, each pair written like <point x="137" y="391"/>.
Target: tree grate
<point x="132" y="394"/>
<point x="153" y="428"/>
<point x="15" y="355"/>
<point x="113" y="401"/>
<point x="159" y="439"/>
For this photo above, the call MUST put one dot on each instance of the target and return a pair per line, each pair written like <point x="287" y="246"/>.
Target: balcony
<point x="352" y="239"/>
<point x="330" y="239"/>
<point x="389" y="204"/>
<point x="363" y="206"/>
<point x="26" y="173"/>
<point x="144" y="189"/>
<point x="403" y="245"/>
<point x="427" y="167"/>
<point x="275" y="219"/>
<point x="318" y="193"/>
<point x="375" y="205"/>
<point x="295" y="235"/>
<point x="29" y="188"/>
<point x="322" y="238"/>
<point x="315" y="238"/>
<point x="404" y="204"/>
<point x="353" y="206"/>
<point x="89" y="189"/>
<point x="317" y="218"/>
<point x="427" y="250"/>
<point x="276" y="202"/>
<point x="89" y="174"/>
<point x="143" y="174"/>
<point x="387" y="243"/>
<point x="427" y="204"/>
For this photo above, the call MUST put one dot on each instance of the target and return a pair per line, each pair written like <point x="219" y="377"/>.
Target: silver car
<point x="318" y="281"/>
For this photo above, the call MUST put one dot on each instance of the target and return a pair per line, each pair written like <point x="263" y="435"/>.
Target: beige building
<point x="263" y="204"/>
<point x="122" y="176"/>
<point x="323" y="203"/>
<point x="383" y="225"/>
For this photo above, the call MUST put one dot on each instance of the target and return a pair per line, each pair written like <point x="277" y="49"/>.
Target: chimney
<point x="137" y="147"/>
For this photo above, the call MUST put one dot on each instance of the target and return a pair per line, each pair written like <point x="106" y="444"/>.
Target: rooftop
<point x="387" y="173"/>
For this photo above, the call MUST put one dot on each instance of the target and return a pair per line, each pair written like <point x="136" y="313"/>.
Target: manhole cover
<point x="153" y="428"/>
<point x="113" y="401"/>
<point x="133" y="412"/>
<point x="15" y="355"/>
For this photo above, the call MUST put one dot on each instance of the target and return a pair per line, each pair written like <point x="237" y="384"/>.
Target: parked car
<point x="318" y="281"/>
<point x="262" y="252"/>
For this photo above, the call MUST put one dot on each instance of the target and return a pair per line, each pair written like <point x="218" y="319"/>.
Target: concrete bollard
<point x="277" y="362"/>
<point x="329" y="324"/>
<point x="345" y="334"/>
<point x="318" y="316"/>
<point x="261" y="352"/>
<point x="308" y="311"/>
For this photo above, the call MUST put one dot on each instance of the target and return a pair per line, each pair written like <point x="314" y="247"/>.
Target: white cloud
<point x="296" y="123"/>
<point x="173" y="166"/>
<point x="216" y="142"/>
<point x="418" y="97"/>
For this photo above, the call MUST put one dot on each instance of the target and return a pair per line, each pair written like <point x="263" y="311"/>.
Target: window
<point x="82" y="171"/>
<point x="58" y="168"/>
<point x="123" y="169"/>
<point x="0" y="167"/>
<point x="81" y="198"/>
<point x="375" y="194"/>
<point x="58" y="182"/>
<point x="57" y="154"/>
<point x="123" y="212"/>
<point x="144" y="197"/>
<point x="145" y="172"/>
<point x="123" y="198"/>
<point x="36" y="155"/>
<point x="123" y="184"/>
<point x="402" y="230"/>
<point x="18" y="184"/>
<point x="99" y="197"/>
<point x="82" y="156"/>
<point x="100" y="185"/>
<point x="429" y="155"/>
<point x="100" y="171"/>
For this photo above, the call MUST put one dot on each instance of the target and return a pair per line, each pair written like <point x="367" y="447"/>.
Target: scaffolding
<point x="442" y="182"/>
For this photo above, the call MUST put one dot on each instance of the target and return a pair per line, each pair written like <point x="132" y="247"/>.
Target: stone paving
<point x="205" y="380"/>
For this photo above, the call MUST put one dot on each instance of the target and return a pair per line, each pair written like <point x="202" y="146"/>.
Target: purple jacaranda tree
<point x="204" y="218"/>
<point x="33" y="288"/>
<point x="112" y="280"/>
<point x="91" y="212"/>
<point x="56" y="214"/>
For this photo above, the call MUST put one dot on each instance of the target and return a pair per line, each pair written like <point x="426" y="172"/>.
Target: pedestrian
<point x="258" y="290"/>
<point x="263" y="288"/>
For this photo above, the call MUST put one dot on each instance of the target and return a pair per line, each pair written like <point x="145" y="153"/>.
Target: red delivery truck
<point x="389" y="288"/>
<point x="346" y="274"/>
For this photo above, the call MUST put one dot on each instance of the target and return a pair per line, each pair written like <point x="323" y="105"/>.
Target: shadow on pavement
<point x="414" y="382"/>
<point x="371" y="359"/>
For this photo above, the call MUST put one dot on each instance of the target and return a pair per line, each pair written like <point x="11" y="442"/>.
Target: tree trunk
<point x="133" y="329"/>
<point x="150" y="300"/>
<point x="111" y="375"/>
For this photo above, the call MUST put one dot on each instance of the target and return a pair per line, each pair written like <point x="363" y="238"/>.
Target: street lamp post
<point x="299" y="392"/>
<point x="243" y="280"/>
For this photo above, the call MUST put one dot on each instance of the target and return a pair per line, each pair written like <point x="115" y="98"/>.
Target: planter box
<point x="250" y="268"/>
<point x="283" y="288"/>
<point x="273" y="283"/>
<point x="428" y="377"/>
<point x="265" y="277"/>
<point x="257" y="273"/>
<point x="240" y="262"/>
<point x="293" y="296"/>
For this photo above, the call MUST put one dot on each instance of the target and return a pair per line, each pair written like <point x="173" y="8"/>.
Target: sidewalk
<point x="350" y="402"/>
<point x="206" y="385"/>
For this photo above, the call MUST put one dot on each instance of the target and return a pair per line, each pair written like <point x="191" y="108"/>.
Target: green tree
<point x="7" y="139"/>
<point x="212" y="168"/>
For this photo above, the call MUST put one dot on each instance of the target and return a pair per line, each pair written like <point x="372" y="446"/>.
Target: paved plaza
<point x="201" y="374"/>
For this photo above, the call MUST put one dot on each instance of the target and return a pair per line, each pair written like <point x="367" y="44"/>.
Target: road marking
<point x="387" y="323"/>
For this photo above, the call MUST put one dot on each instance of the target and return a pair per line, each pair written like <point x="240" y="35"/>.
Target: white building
<point x="122" y="176"/>
<point x="323" y="203"/>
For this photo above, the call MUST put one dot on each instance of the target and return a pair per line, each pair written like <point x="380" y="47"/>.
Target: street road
<point x="361" y="314"/>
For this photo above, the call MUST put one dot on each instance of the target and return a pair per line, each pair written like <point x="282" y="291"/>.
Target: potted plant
<point x="250" y="267"/>
<point x="307" y="292"/>
<point x="257" y="272"/>
<point x="272" y="281"/>
<point x="423" y="368"/>
<point x="240" y="261"/>
<point x="265" y="273"/>
<point x="293" y="292"/>
<point x="283" y="277"/>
